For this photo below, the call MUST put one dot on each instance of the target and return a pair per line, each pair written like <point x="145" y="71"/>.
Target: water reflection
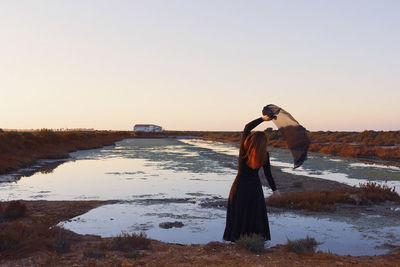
<point x="351" y="236"/>
<point x="321" y="166"/>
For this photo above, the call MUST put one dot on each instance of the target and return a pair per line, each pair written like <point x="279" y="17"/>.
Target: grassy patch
<point x="62" y="243"/>
<point x="94" y="253"/>
<point x="134" y="254"/>
<point x="253" y="243"/>
<point x="365" y="194"/>
<point x="302" y="246"/>
<point x="17" y="238"/>
<point x="13" y="210"/>
<point x="129" y="242"/>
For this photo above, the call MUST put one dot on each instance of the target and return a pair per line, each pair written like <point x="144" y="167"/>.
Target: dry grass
<point x="34" y="232"/>
<point x="253" y="243"/>
<point x="17" y="238"/>
<point x="62" y="242"/>
<point x="94" y="253"/>
<point x="302" y="246"/>
<point x="129" y="242"/>
<point x="366" y="194"/>
<point x="13" y="210"/>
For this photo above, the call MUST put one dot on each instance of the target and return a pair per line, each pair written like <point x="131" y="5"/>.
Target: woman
<point x="247" y="213"/>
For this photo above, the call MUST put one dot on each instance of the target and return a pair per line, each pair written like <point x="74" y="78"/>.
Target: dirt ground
<point x="164" y="254"/>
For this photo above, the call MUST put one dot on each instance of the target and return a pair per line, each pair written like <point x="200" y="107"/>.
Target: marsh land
<point x="204" y="171"/>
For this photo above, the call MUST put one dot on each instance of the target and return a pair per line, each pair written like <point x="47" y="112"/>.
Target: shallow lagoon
<point x="159" y="180"/>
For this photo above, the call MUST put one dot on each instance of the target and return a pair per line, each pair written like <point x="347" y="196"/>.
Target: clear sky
<point x="199" y="65"/>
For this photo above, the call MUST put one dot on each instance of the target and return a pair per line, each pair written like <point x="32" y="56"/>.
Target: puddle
<point x="355" y="236"/>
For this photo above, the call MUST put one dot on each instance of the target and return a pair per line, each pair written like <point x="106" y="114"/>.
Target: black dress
<point x="247" y="213"/>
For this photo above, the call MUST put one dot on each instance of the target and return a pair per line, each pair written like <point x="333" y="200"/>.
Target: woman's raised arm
<point x="247" y="129"/>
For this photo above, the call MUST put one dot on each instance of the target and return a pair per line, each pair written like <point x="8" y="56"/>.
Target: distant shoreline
<point x="20" y="149"/>
<point x="368" y="146"/>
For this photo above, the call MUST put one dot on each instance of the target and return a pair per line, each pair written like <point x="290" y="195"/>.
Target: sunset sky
<point x="199" y="65"/>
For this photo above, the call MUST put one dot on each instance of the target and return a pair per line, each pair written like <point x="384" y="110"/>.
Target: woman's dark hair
<point x="256" y="149"/>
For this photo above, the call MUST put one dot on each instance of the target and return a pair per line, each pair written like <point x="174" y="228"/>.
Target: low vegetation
<point x="134" y="254"/>
<point x="365" y="194"/>
<point x="94" y="253"/>
<point x="253" y="243"/>
<point x="18" y="238"/>
<point x="31" y="228"/>
<point x="62" y="242"/>
<point x="21" y="236"/>
<point x="364" y="145"/>
<point x="128" y="242"/>
<point x="12" y="210"/>
<point x="302" y="246"/>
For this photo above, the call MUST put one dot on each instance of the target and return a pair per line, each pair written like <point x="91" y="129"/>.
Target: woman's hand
<point x="266" y="118"/>
<point x="276" y="193"/>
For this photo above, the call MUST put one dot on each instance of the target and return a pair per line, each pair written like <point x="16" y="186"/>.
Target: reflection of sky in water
<point x="113" y="179"/>
<point x="177" y="175"/>
<point x="224" y="148"/>
<point x="347" y="236"/>
<point x="317" y="165"/>
<point x="338" y="169"/>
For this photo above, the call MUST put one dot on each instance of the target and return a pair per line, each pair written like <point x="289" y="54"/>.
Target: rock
<point x="168" y="225"/>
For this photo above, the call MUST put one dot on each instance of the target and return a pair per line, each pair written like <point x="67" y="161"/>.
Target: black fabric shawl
<point x="294" y="134"/>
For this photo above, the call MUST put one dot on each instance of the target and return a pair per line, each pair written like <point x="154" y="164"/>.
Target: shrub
<point x="302" y="246"/>
<point x="8" y="239"/>
<point x="253" y="243"/>
<point x="94" y="253"/>
<point x="62" y="244"/>
<point x="18" y="238"/>
<point x="377" y="193"/>
<point x="315" y="200"/>
<point x="134" y="254"/>
<point x="14" y="209"/>
<point x="129" y="242"/>
<point x="12" y="234"/>
<point x="309" y="200"/>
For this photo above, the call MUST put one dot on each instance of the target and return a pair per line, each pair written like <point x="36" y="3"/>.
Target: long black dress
<point x="247" y="213"/>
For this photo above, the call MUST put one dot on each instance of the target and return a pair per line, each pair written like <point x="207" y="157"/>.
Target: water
<point x="167" y="180"/>
<point x="343" y="170"/>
